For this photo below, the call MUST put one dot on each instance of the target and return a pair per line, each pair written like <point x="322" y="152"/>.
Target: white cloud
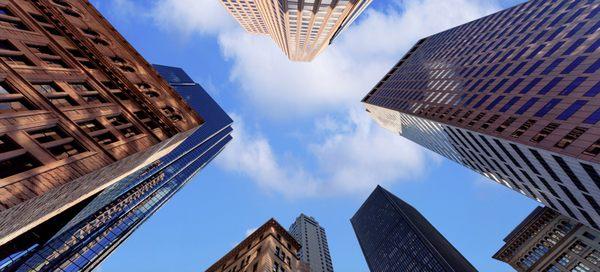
<point x="349" y="155"/>
<point x="352" y="157"/>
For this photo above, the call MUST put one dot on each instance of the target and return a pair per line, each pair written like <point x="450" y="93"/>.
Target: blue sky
<point x="302" y="142"/>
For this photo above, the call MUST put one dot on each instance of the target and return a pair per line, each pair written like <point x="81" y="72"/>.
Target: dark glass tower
<point x="512" y="96"/>
<point x="394" y="236"/>
<point x="151" y="178"/>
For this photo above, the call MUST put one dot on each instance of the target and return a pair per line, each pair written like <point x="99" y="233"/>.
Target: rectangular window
<point x="576" y="62"/>
<point x="495" y="102"/>
<point x="10" y="20"/>
<point x="593" y="91"/>
<point x="47" y="135"/>
<point x="548" y="107"/>
<point x="570" y="137"/>
<point x="510" y="103"/>
<point x="64" y="151"/>
<point x="517" y="133"/>
<point x="552" y="66"/>
<point x="17" y="164"/>
<point x="506" y="124"/>
<point x="490" y="121"/>
<point x="571" y="87"/>
<point x="47" y="88"/>
<point x="57" y="142"/>
<point x="530" y="86"/>
<point x="105" y="138"/>
<point x="550" y="85"/>
<point x="574" y="46"/>
<point x="91" y="126"/>
<point x="8" y="46"/>
<point x="16" y="60"/>
<point x="547" y="130"/>
<point x="567" y="113"/>
<point x="594" y="149"/>
<point x="593" y="118"/>
<point x="527" y="105"/>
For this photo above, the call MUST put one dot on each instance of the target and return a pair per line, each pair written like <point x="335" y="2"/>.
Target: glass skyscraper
<point x="109" y="218"/>
<point x="394" y="237"/>
<point x="512" y="96"/>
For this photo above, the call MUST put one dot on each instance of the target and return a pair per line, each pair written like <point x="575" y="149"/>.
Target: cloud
<point x="347" y="152"/>
<point x="352" y="156"/>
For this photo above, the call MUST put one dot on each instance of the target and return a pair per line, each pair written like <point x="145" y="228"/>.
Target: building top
<point x="528" y="228"/>
<point x="449" y="256"/>
<point x="272" y="223"/>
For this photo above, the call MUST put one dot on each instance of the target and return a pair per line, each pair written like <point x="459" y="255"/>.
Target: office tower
<point x="269" y="248"/>
<point x="549" y="241"/>
<point x="311" y="236"/>
<point x="512" y="96"/>
<point x="90" y="136"/>
<point x="394" y="236"/>
<point x="302" y="29"/>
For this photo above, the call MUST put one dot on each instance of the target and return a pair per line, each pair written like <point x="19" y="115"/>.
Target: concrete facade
<point x="302" y="29"/>
<point x="315" y="249"/>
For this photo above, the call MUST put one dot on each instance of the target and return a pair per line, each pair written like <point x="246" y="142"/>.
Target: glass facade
<point x="395" y="237"/>
<point x="111" y="216"/>
<point x="511" y="96"/>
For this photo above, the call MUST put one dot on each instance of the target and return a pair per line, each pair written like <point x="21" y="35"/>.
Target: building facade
<point x="512" y="96"/>
<point x="84" y="119"/>
<point x="269" y="248"/>
<point x="394" y="236"/>
<point x="549" y="241"/>
<point x="302" y="29"/>
<point x="311" y="236"/>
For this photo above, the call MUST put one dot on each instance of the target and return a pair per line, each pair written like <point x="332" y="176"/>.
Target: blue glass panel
<point x="571" y="110"/>
<point x="593" y="47"/>
<point x="470" y="100"/>
<point x="552" y="66"/>
<point x="517" y="69"/>
<point x="575" y="30"/>
<point x="573" y="85"/>
<point x="548" y="107"/>
<point x="527" y="105"/>
<point x="594" y="118"/>
<point x="593" y="68"/>
<point x="495" y="102"/>
<point x="510" y="103"/>
<point x="533" y="67"/>
<point x="573" y="65"/>
<point x="593" y="91"/>
<point x="485" y="98"/>
<point x="531" y="84"/>
<point x="550" y="85"/>
<point x="513" y="85"/>
<point x="574" y="46"/>
<point x="499" y="85"/>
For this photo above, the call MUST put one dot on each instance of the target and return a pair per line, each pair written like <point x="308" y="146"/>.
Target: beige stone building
<point x="551" y="242"/>
<point x="302" y="29"/>
<point x="269" y="248"/>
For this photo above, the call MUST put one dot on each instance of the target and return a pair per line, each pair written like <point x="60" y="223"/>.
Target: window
<point x="47" y="88"/>
<point x="118" y="120"/>
<point x="10" y="20"/>
<point x="17" y="164"/>
<point x="567" y="113"/>
<point x="47" y="135"/>
<point x="571" y="87"/>
<point x="6" y="45"/>
<point x="105" y="138"/>
<point x="517" y="133"/>
<point x="66" y="150"/>
<point x="509" y="104"/>
<point x="93" y="99"/>
<point x="80" y="87"/>
<point x="146" y="119"/>
<point x="506" y="124"/>
<point x="527" y="105"/>
<point x="65" y="101"/>
<point x="550" y="85"/>
<point x="17" y="60"/>
<point x="41" y="49"/>
<point x="7" y="144"/>
<point x="573" y="65"/>
<point x="57" y="142"/>
<point x="548" y="107"/>
<point x="593" y="118"/>
<point x="594" y="149"/>
<point x="570" y="137"/>
<point x="545" y="132"/>
<point x="91" y="126"/>
<point x="490" y="121"/>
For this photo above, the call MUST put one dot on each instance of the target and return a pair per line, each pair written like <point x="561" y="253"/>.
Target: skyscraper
<point x="512" y="96"/>
<point x="302" y="29"/>
<point x="394" y="236"/>
<point x="92" y="139"/>
<point x="311" y="236"/>
<point x="549" y="241"/>
<point x="269" y="248"/>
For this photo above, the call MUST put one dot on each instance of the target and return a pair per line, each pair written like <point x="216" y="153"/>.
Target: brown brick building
<point x="269" y="248"/>
<point x="74" y="98"/>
